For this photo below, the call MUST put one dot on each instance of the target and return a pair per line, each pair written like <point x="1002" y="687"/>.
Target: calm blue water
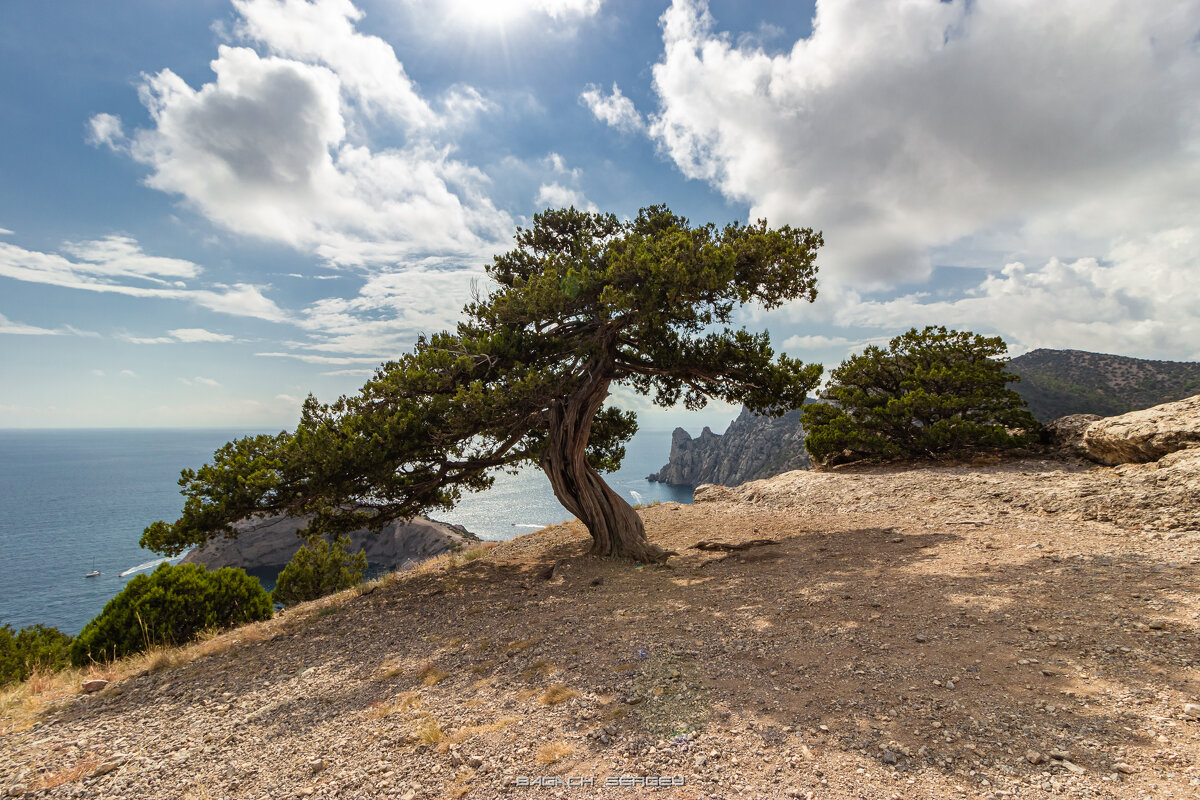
<point x="73" y="498"/>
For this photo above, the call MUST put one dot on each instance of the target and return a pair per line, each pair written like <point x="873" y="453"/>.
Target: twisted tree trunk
<point x="616" y="529"/>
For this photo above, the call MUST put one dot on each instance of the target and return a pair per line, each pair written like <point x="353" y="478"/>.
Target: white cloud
<point x="357" y="372"/>
<point x="198" y="335"/>
<point x="187" y="335"/>
<point x="99" y="373"/>
<point x="555" y="195"/>
<point x="121" y="256"/>
<point x="276" y="147"/>
<point x="323" y="32"/>
<point x="106" y="130"/>
<point x="560" y="9"/>
<point x="614" y="109"/>
<point x="115" y="263"/>
<point x="901" y="127"/>
<point x="199" y="381"/>
<point x="1139" y="301"/>
<point x="310" y="358"/>
<point x="128" y="373"/>
<point x="21" y="329"/>
<point x="498" y="13"/>
<point x="809" y="342"/>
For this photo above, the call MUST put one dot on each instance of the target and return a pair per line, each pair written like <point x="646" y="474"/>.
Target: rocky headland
<point x="268" y="543"/>
<point x="1002" y="628"/>
<point x="754" y="446"/>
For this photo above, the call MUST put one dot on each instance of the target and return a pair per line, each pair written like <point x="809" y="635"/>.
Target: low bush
<point x="932" y="392"/>
<point x="170" y="606"/>
<point x="319" y="568"/>
<point x="32" y="648"/>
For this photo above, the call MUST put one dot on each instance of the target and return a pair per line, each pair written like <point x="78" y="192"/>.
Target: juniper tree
<point x="931" y="392"/>
<point x="584" y="302"/>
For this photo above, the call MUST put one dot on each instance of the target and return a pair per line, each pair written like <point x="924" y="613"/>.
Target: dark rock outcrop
<point x="270" y="542"/>
<point x="1066" y="433"/>
<point x="753" y="447"/>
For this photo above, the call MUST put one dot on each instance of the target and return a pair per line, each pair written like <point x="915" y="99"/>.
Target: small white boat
<point x="94" y="571"/>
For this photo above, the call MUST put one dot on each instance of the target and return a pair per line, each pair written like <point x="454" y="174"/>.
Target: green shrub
<point x="34" y="647"/>
<point x="319" y="568"/>
<point x="931" y="392"/>
<point x="170" y="606"/>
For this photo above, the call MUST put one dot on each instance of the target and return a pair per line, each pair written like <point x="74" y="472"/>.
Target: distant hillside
<point x="1059" y="382"/>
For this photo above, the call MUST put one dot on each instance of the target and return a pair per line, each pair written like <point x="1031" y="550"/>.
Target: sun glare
<point x="490" y="13"/>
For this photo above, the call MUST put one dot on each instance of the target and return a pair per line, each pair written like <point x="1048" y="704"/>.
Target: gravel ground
<point x="1014" y="629"/>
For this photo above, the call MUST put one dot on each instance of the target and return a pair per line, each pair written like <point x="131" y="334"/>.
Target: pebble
<point x="1192" y="710"/>
<point x="94" y="685"/>
<point x="1034" y="757"/>
<point x="1123" y="768"/>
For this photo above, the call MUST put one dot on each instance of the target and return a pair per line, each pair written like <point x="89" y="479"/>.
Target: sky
<point x="211" y="209"/>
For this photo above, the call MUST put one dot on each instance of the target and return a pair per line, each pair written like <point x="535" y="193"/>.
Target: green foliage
<point x="32" y="648"/>
<point x="170" y="606"/>
<point x="582" y="303"/>
<point x="1059" y="382"/>
<point x="931" y="392"/>
<point x="319" y="568"/>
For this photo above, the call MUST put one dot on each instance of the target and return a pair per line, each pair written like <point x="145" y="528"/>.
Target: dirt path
<point x="941" y="633"/>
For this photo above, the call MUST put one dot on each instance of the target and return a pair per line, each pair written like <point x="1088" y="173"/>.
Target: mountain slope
<point x="1059" y="382"/>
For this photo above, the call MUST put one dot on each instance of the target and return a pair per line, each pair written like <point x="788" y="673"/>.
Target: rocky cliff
<point x="270" y="543"/>
<point x="753" y="447"/>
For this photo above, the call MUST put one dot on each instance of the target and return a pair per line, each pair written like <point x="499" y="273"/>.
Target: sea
<point x="73" y="501"/>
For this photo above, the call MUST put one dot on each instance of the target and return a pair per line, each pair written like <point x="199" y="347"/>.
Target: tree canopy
<point x="931" y="392"/>
<point x="583" y="302"/>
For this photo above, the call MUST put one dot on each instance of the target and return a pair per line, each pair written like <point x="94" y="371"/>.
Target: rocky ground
<point x="1008" y="629"/>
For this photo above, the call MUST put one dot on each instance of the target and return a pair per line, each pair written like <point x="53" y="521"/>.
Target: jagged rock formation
<point x="1142" y="436"/>
<point x="1055" y="383"/>
<point x="270" y="542"/>
<point x="752" y="447"/>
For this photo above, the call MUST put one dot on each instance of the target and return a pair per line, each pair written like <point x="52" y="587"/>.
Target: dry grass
<point x="483" y="666"/>
<point x="430" y="732"/>
<point x="539" y="669"/>
<point x="405" y="701"/>
<point x="553" y="752"/>
<point x="615" y="711"/>
<point x="558" y="693"/>
<point x="382" y="582"/>
<point x="24" y="703"/>
<point x="390" y="669"/>
<point x="478" y="552"/>
<point x="459" y="735"/>
<point x="524" y="644"/>
<point x="70" y="775"/>
<point x="429" y="674"/>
